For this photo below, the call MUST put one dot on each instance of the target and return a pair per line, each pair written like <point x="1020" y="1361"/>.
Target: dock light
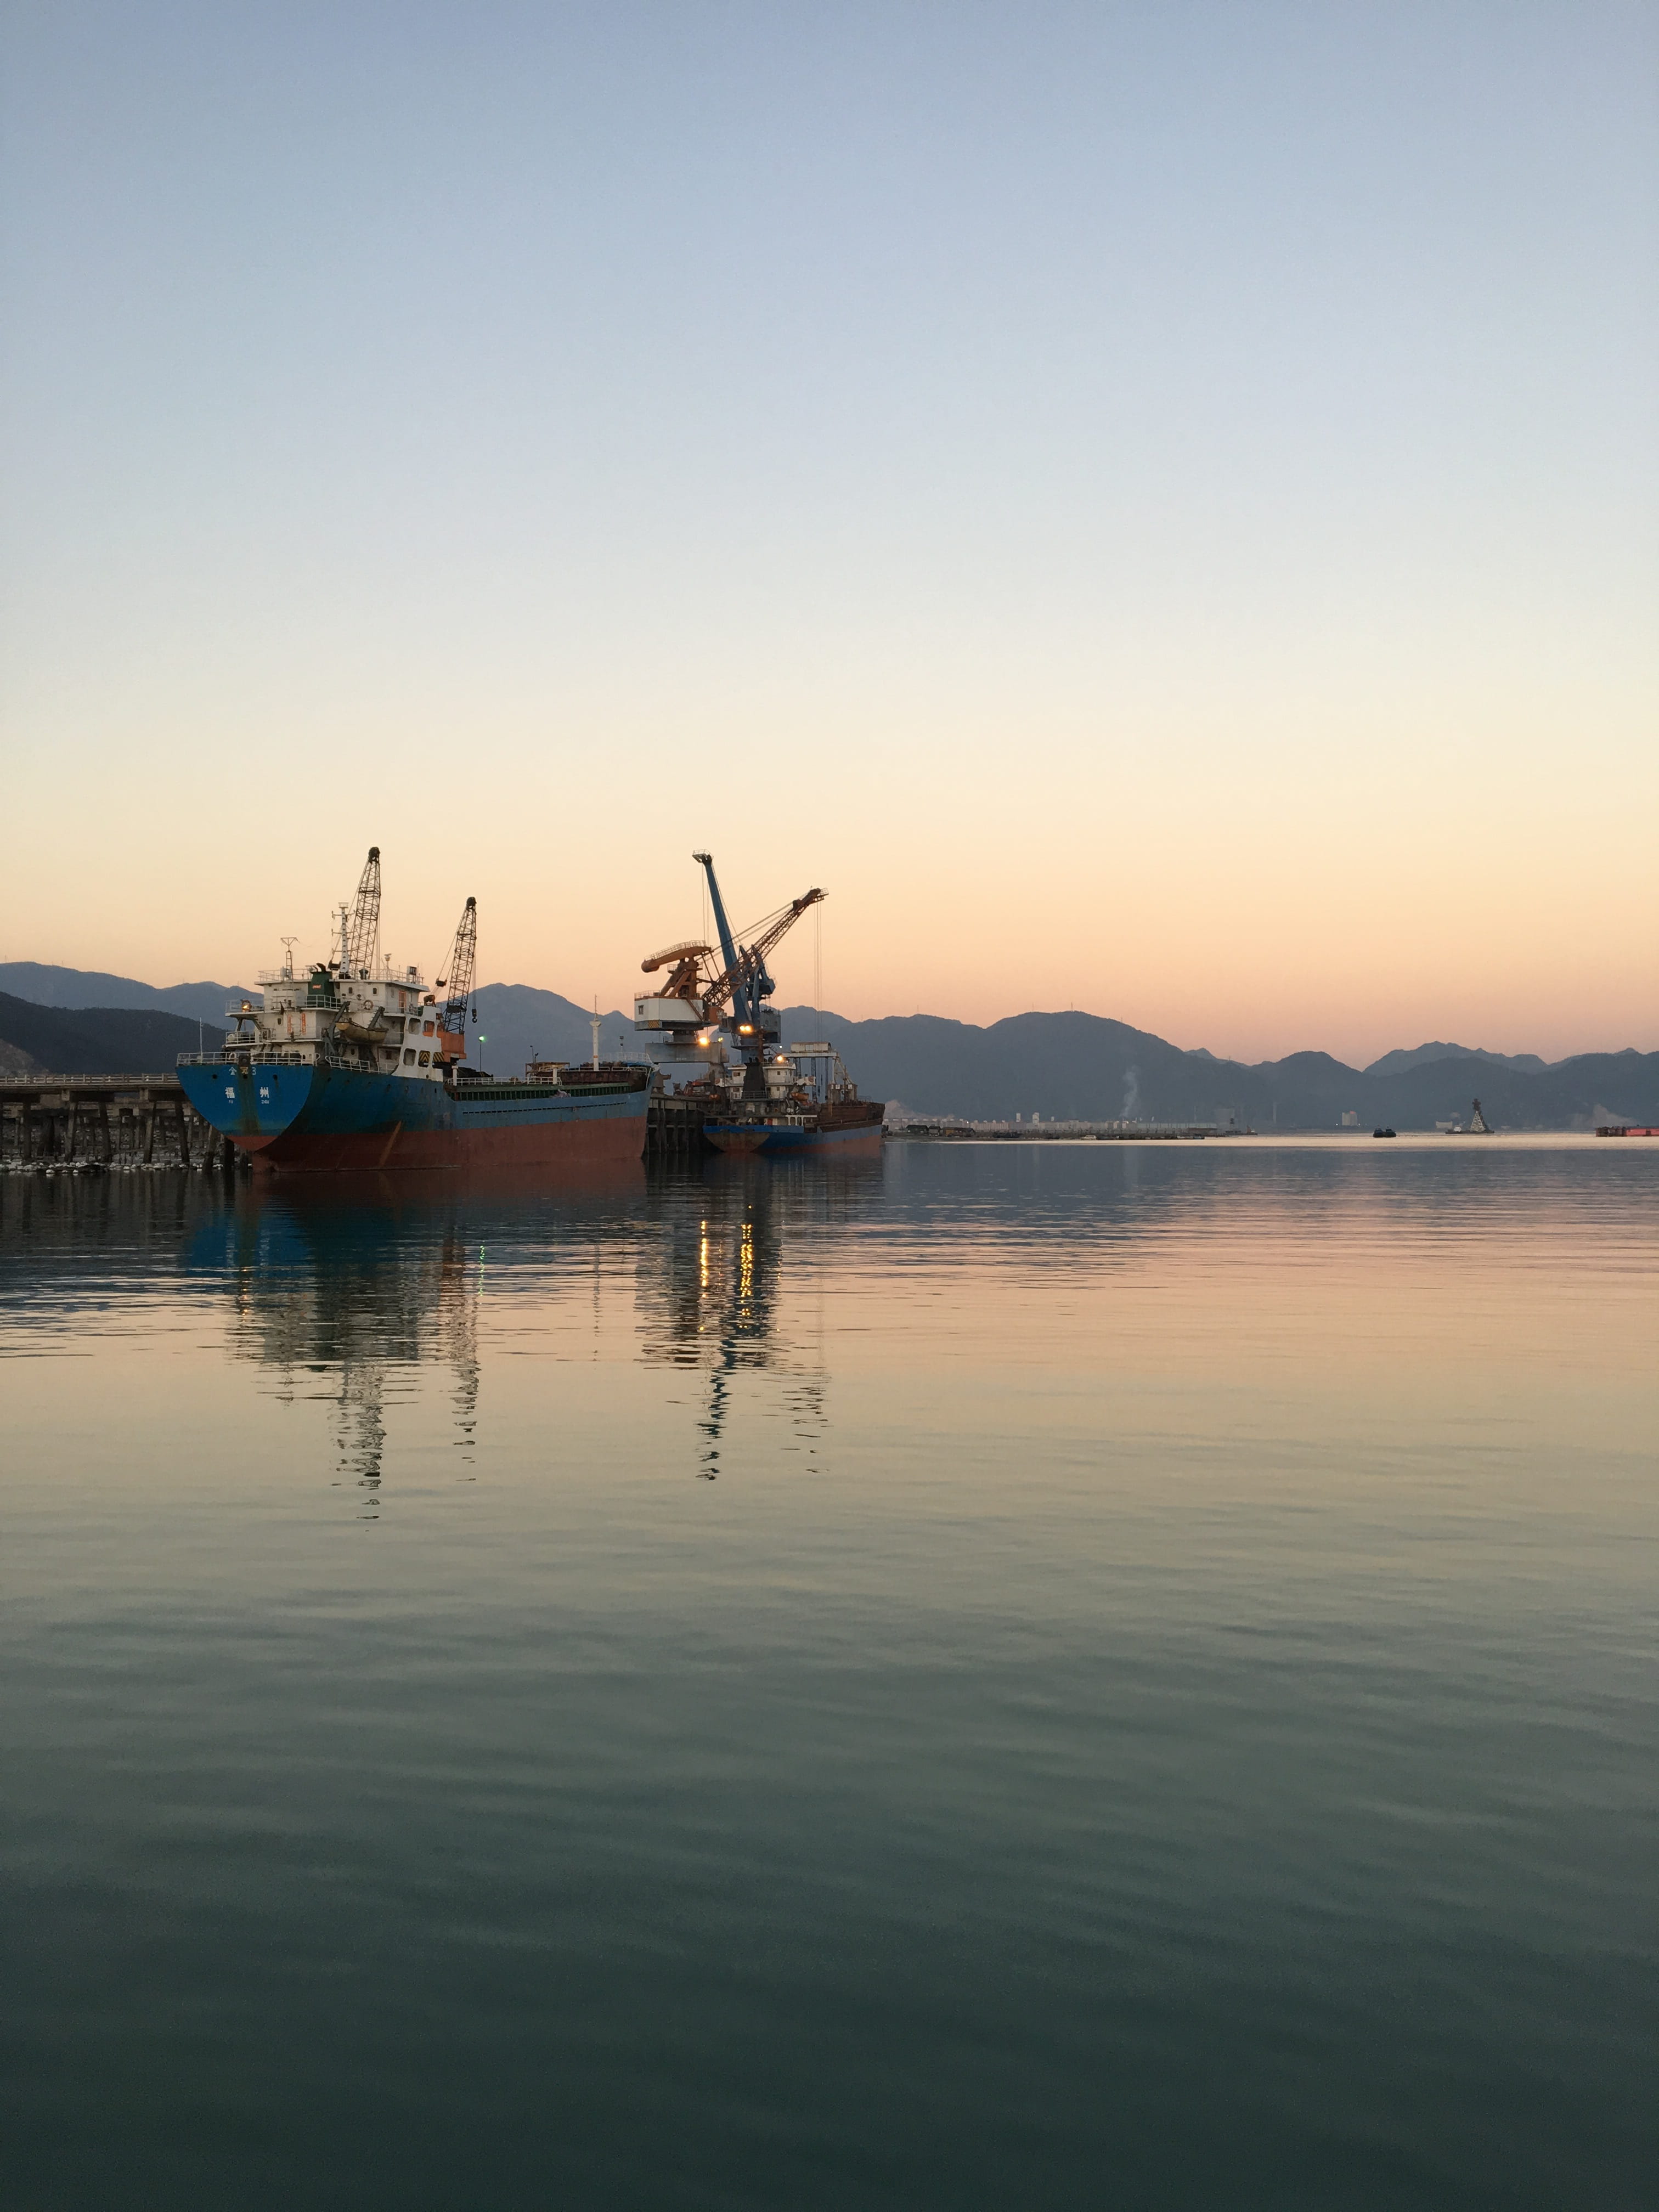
<point x="746" y="1029"/>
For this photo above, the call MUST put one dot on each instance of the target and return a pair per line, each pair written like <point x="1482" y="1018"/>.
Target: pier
<point x="105" y="1120"/>
<point x="673" y="1128"/>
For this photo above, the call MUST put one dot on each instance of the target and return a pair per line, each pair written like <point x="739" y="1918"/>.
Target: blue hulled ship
<point x="353" y="1062"/>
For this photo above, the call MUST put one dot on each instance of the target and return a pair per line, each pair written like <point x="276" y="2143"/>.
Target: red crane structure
<point x="743" y="982"/>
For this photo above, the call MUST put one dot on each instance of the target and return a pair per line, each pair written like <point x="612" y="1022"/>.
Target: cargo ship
<point x="802" y="1103"/>
<point x="353" y="1062"/>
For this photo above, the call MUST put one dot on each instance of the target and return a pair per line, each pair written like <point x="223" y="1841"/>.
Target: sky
<point x="1155" y="506"/>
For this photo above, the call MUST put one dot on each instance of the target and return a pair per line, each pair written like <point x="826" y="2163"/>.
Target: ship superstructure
<point x="359" y="1010"/>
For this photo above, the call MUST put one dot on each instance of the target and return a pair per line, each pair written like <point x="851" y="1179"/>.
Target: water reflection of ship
<point x="359" y="1299"/>
<point x="346" y="1305"/>
<point x="716" y="1304"/>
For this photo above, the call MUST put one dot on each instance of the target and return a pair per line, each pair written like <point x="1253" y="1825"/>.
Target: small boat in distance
<point x="1382" y="1133"/>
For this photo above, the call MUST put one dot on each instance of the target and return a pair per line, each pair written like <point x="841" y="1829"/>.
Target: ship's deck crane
<point x="460" y="968"/>
<point x="363" y="937"/>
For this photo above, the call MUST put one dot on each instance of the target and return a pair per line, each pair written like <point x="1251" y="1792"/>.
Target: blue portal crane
<point x="744" y="980"/>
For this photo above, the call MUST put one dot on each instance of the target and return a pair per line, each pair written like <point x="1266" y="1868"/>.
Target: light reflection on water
<point x="1047" y="1674"/>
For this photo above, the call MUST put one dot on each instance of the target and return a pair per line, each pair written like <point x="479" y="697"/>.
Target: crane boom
<point x="693" y="946"/>
<point x="685" y="981"/>
<point x="744" y="980"/>
<point x="363" y="936"/>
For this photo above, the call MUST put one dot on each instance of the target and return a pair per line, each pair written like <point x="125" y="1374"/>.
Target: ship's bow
<point x="250" y="1102"/>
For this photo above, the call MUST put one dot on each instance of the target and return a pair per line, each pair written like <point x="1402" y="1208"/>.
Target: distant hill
<point x="1081" y="1066"/>
<point x="95" y="1040"/>
<point x="517" y="1022"/>
<point x="88" y="987"/>
<point x="1396" y="1063"/>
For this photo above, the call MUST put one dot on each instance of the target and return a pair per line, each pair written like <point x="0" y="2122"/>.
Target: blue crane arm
<point x="728" y="949"/>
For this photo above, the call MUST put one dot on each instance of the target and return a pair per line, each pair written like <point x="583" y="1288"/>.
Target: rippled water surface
<point x="1062" y="1676"/>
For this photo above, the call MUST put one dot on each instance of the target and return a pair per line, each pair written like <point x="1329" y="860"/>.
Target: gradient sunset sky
<point x="1155" y="506"/>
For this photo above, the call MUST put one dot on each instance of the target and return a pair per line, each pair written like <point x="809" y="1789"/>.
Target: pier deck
<point x="73" y="1121"/>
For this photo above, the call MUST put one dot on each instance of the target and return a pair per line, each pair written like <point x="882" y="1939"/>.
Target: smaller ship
<point x="805" y="1101"/>
<point x="1384" y="1133"/>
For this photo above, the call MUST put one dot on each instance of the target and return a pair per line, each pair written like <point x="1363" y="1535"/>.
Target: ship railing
<point x="230" y="1049"/>
<point x="385" y="973"/>
<point x="43" y="1082"/>
<point x="272" y="1055"/>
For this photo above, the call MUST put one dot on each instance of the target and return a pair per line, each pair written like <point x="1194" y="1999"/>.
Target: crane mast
<point x="362" y="936"/>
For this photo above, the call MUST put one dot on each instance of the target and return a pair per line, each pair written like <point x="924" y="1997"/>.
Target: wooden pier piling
<point x="673" y="1128"/>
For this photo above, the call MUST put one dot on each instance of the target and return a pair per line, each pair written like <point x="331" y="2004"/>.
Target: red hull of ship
<point x="615" y="1141"/>
<point x="856" y="1140"/>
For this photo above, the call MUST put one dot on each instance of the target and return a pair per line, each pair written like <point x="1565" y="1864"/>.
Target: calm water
<point x="1081" y="1676"/>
